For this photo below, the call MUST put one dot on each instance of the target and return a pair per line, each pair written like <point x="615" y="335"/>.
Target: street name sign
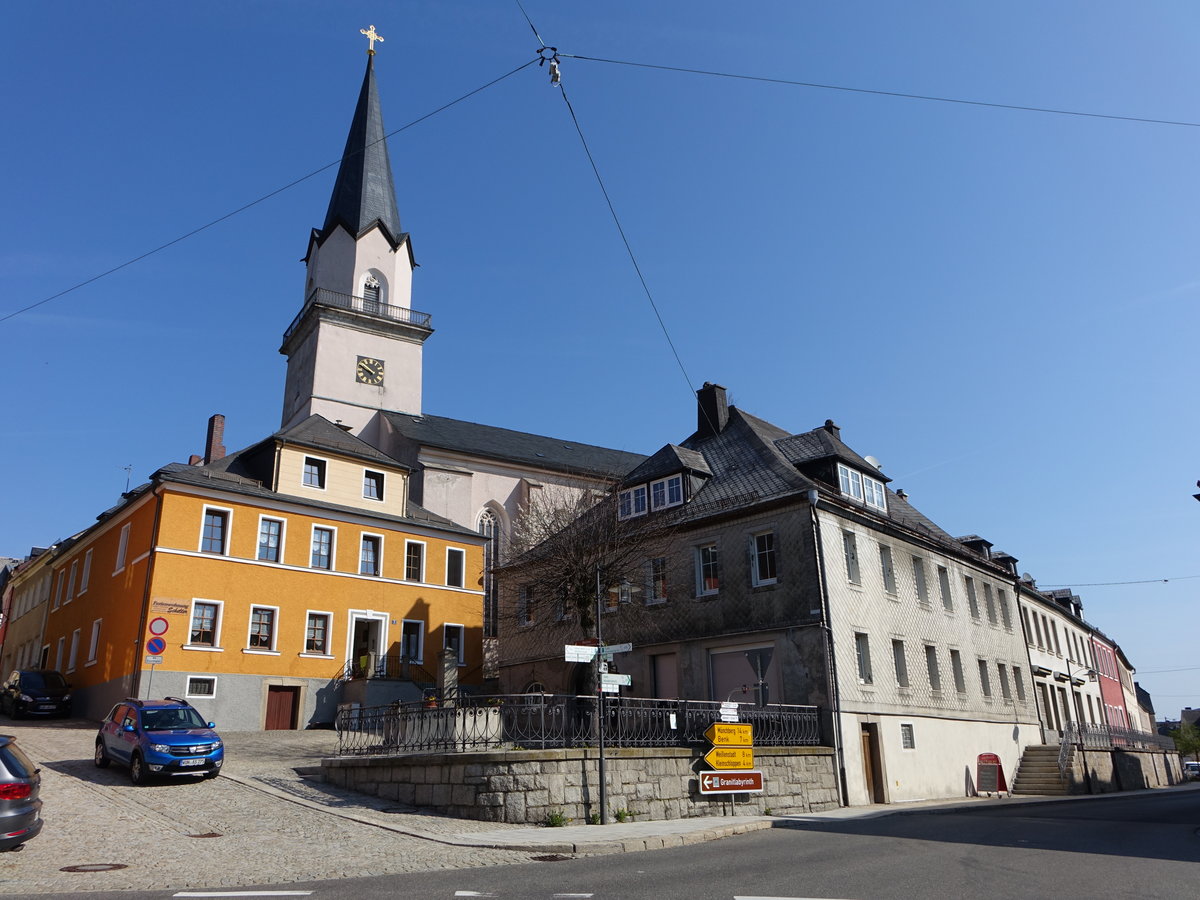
<point x="729" y="712"/>
<point x="610" y="688"/>
<point x="154" y="660"/>
<point x="580" y="653"/>
<point x="731" y="782"/>
<point x="625" y="680"/>
<point x="721" y="734"/>
<point x="730" y="757"/>
<point x="609" y="650"/>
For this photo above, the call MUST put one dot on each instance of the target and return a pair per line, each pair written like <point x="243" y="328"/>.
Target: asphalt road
<point x="1144" y="846"/>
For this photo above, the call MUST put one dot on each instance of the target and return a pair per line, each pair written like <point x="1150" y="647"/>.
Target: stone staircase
<point x="1038" y="771"/>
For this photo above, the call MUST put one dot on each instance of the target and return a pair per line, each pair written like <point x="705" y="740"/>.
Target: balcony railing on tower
<point x="367" y="305"/>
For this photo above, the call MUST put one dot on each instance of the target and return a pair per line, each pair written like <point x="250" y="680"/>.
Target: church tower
<point x="355" y="347"/>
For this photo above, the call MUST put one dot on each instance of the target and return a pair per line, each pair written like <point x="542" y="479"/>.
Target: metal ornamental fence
<point x="1087" y="736"/>
<point x="555" y="721"/>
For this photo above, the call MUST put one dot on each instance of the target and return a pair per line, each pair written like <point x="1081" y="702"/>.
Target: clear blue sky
<point x="1000" y="305"/>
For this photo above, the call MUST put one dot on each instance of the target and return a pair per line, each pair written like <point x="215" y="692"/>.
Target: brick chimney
<point x="213" y="448"/>
<point x="833" y="429"/>
<point x="712" y="410"/>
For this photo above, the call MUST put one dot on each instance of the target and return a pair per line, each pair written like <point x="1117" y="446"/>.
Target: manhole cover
<point x="553" y="857"/>
<point x="210" y="834"/>
<point x="94" y="867"/>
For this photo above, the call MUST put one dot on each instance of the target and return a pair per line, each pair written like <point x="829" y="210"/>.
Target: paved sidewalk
<point x="268" y="820"/>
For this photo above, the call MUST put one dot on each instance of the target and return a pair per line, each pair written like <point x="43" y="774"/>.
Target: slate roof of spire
<point x="364" y="192"/>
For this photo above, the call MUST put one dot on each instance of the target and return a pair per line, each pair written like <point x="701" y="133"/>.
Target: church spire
<point x="364" y="192"/>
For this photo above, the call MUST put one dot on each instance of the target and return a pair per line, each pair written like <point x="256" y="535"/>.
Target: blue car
<point x="159" y="737"/>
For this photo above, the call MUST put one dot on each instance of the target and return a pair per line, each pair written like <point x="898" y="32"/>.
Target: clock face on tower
<point x="369" y="370"/>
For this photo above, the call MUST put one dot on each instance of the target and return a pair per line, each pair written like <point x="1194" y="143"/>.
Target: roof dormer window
<point x="632" y="502"/>
<point x="862" y="488"/>
<point x="666" y="492"/>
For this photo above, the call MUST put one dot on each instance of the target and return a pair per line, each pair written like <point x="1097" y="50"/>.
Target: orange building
<point x="280" y="581"/>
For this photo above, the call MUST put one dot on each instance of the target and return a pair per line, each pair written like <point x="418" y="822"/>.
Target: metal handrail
<point x="403" y="668"/>
<point x="326" y="297"/>
<point x="549" y="721"/>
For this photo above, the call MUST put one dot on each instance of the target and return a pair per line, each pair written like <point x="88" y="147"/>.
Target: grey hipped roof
<point x="249" y="471"/>
<point x="521" y="447"/>
<point x="364" y="193"/>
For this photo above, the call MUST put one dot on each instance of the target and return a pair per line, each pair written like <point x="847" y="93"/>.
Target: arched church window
<point x="372" y="294"/>
<point x="489" y="527"/>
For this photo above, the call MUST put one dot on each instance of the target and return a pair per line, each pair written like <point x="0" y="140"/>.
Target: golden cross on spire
<point x="372" y="36"/>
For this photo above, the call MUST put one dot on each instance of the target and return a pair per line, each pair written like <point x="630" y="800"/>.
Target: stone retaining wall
<point x="529" y="786"/>
<point x="1122" y="770"/>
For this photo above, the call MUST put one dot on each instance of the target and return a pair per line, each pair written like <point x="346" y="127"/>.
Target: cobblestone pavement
<point x="260" y="823"/>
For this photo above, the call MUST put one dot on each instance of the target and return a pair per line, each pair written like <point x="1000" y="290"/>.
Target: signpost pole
<point x="600" y="704"/>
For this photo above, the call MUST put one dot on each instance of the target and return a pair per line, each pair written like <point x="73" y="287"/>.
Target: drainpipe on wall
<point x="139" y="638"/>
<point x="830" y="661"/>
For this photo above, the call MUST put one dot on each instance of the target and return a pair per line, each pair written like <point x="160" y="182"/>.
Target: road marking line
<point x="567" y="896"/>
<point x="741" y="897"/>
<point x="472" y="894"/>
<point x="242" y="894"/>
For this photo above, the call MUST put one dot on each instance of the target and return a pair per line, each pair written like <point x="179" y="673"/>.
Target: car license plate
<point x="191" y="762"/>
<point x="49" y="706"/>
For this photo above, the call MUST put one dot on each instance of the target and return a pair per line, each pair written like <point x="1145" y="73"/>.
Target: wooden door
<point x="283" y="705"/>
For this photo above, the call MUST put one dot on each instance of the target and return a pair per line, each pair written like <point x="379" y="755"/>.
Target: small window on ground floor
<point x="201" y="686"/>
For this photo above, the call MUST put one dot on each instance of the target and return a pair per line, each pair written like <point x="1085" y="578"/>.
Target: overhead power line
<point x="264" y="197"/>
<point x="882" y="93"/>
<point x="1109" y="583"/>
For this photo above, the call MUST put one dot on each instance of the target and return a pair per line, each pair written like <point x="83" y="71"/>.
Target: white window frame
<point x="850" y="553"/>
<point x="945" y="591"/>
<point x="324" y="469"/>
<point x="60" y="649"/>
<point x="957" y="671"/>
<point x="875" y="494"/>
<point x="71" y="581"/>
<point x="702" y="589"/>
<point x="757" y="556"/>
<point x="122" y="548"/>
<point x="462" y="556"/>
<point x="862" y="655"/>
<point x="972" y="597"/>
<point x="526" y="597"/>
<point x="73" y="658"/>
<point x="189" y="694"/>
<point x="920" y="579"/>
<point x="420" y="623"/>
<point x="670" y="482"/>
<point x="58" y="588"/>
<point x="985" y="678"/>
<point x="633" y="502"/>
<point x="850" y="482"/>
<point x="409" y="542"/>
<point x="908" y="737"/>
<point x="225" y="537"/>
<point x="94" y="643"/>
<point x="887" y="570"/>
<point x="218" y="622"/>
<point x="258" y="539"/>
<point x="314" y="654"/>
<point x="362" y="539"/>
<point x="381" y="483"/>
<point x="900" y="663"/>
<point x="271" y="650"/>
<point x="332" y="529"/>
<point x="933" y="668"/>
<point x="652" y="596"/>
<point x="86" y="576"/>
<point x="462" y="640"/>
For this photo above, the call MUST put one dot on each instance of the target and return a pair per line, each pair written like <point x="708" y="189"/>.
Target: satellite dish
<point x="873" y="461"/>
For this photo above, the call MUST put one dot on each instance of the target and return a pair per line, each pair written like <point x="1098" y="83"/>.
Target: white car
<point x="1191" y="770"/>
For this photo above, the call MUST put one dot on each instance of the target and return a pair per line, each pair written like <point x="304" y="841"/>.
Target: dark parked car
<point x="20" y="806"/>
<point x="36" y="692"/>
<point x="159" y="737"/>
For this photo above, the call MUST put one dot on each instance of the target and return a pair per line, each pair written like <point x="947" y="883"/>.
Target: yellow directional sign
<point x="723" y="734"/>
<point x="730" y="758"/>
